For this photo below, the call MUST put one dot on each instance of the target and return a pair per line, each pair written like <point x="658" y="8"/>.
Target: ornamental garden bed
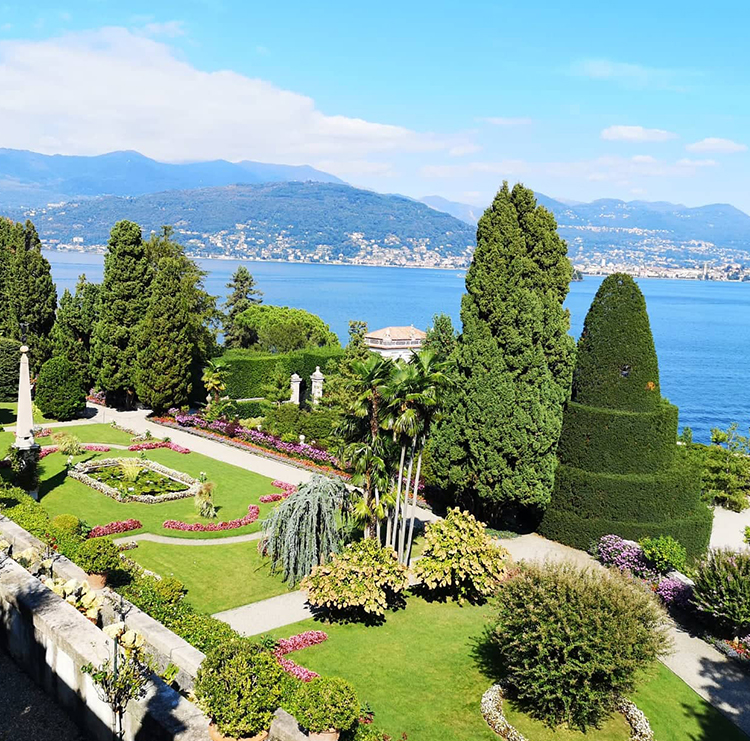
<point x="144" y="480"/>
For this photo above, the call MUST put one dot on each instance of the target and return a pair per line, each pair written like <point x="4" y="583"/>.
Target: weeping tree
<point x="306" y="528"/>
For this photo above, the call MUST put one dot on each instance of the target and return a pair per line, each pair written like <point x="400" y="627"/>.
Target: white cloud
<point x="687" y="162"/>
<point x="461" y="150"/>
<point x="502" y="121"/>
<point x="634" y="76"/>
<point x="170" y="29"/>
<point x="716" y="145"/>
<point x="113" y="89"/>
<point x="636" y="134"/>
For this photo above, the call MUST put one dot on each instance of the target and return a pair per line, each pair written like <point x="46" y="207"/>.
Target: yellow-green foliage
<point x="460" y="559"/>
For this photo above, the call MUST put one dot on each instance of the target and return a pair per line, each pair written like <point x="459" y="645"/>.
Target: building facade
<point x="396" y="342"/>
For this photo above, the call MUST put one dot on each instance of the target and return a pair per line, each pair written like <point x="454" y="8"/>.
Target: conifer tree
<point x="243" y="295"/>
<point x="123" y="301"/>
<point x="496" y="445"/>
<point x="166" y="349"/>
<point x="32" y="296"/>
<point x="441" y="337"/>
<point x="11" y="235"/>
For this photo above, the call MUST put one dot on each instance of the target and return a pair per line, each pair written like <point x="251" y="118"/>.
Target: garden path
<point x="729" y="529"/>
<point x="189" y="541"/>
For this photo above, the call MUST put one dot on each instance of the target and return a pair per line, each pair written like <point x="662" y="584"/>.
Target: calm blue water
<point x="701" y="330"/>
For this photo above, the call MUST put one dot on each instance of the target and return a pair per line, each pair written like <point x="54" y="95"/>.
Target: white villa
<point x="395" y="342"/>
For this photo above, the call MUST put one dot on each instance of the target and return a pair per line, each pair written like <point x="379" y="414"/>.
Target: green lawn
<point x="8" y="414"/>
<point x="86" y="433"/>
<point x="217" y="577"/>
<point x="419" y="673"/>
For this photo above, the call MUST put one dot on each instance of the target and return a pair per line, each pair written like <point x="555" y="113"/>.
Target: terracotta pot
<point x="97" y="581"/>
<point x="325" y="736"/>
<point x="217" y="735"/>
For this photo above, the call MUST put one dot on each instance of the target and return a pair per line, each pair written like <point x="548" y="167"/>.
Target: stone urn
<point x="96" y="581"/>
<point x="325" y="736"/>
<point x="217" y="735"/>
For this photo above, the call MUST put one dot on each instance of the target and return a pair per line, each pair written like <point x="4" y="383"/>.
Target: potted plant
<point x="98" y="557"/>
<point x="325" y="706"/>
<point x="239" y="686"/>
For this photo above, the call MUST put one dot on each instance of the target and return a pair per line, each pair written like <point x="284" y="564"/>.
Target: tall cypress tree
<point x="71" y="335"/>
<point x="123" y="301"/>
<point x="166" y="349"/>
<point x="11" y="235"/>
<point x="32" y="296"/>
<point x="496" y="445"/>
<point x="243" y="295"/>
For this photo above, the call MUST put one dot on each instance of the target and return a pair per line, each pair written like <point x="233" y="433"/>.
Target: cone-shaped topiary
<point x="620" y="469"/>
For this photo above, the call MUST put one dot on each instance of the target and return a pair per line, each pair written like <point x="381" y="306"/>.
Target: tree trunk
<point x="377" y="519"/>
<point x="402" y="532"/>
<point x="398" y="496"/>
<point x="414" y="504"/>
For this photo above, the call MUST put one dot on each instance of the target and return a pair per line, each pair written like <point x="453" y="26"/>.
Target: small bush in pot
<point x="722" y="590"/>
<point x="326" y="705"/>
<point x="98" y="557"/>
<point x="239" y="686"/>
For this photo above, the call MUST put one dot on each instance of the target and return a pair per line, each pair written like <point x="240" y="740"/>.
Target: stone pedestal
<point x="295" y="388"/>
<point x="317" y="379"/>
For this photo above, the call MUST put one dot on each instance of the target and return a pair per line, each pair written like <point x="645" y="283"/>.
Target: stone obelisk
<point x="24" y="443"/>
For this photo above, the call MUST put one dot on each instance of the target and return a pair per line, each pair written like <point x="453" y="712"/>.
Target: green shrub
<point x="10" y="357"/>
<point x="747" y="535"/>
<point x="362" y="581"/>
<point x="726" y="476"/>
<point x="665" y="554"/>
<point x="60" y="392"/>
<point x="570" y="641"/>
<point x="98" y="556"/>
<point x="460" y="559"/>
<point x="247" y="409"/>
<point x="67" y="524"/>
<point x="239" y="686"/>
<point x="325" y="704"/>
<point x="67" y="444"/>
<point x="722" y="590"/>
<point x="18" y="506"/>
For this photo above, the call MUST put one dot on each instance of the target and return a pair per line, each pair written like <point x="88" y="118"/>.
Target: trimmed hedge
<point x="10" y="355"/>
<point x="611" y="440"/>
<point x="629" y="497"/>
<point x="567" y="527"/>
<point x="249" y="371"/>
<point x="289" y="419"/>
<point x="248" y="409"/>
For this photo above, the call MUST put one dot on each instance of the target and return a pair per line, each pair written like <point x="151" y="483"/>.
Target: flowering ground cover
<point x="217" y="577"/>
<point x="421" y="675"/>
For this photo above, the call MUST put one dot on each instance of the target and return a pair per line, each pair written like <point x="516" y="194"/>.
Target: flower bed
<point x="153" y="445"/>
<point x="287" y="491"/>
<point x="737" y="649"/>
<point x="253" y="511"/>
<point x="297" y="643"/>
<point x="81" y="472"/>
<point x="112" y="528"/>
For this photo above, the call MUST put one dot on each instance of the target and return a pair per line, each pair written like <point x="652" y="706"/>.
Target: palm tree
<point x="214" y="379"/>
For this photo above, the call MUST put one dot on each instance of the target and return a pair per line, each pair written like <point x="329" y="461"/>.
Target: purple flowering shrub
<point x="673" y="592"/>
<point x="624" y="555"/>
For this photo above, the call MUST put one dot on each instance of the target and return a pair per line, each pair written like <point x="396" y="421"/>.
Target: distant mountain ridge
<point x="29" y="179"/>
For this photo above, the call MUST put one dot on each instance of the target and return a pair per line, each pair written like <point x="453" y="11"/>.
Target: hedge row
<point x="9" y="358"/>
<point x="693" y="531"/>
<point x="656" y="498"/>
<point x="248" y="409"/>
<point x="249" y="371"/>
<point x="289" y="420"/>
<point x="610" y="440"/>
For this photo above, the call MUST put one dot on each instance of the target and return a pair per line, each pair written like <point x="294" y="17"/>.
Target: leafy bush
<point x="67" y="524"/>
<point x="281" y="329"/>
<point x="10" y="357"/>
<point x="326" y="703"/>
<point x="570" y="641"/>
<point x="60" y="390"/>
<point x="204" y="500"/>
<point x="363" y="581"/>
<point x="288" y="419"/>
<point x="665" y="554"/>
<point x="722" y="590"/>
<point x="67" y="444"/>
<point x="98" y="556"/>
<point x="250" y="409"/>
<point x="726" y="476"/>
<point x="460" y="559"/>
<point x="18" y="506"/>
<point x="239" y="686"/>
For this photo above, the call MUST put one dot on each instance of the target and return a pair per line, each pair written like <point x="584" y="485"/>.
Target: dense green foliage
<point x="460" y="560"/>
<point x="339" y="370"/>
<point x="243" y="294"/>
<point x="74" y="323"/>
<point x="239" y="686"/>
<point x="497" y="444"/>
<point x="665" y="554"/>
<point x="98" y="556"/>
<point x="326" y="703"/>
<point x="60" y="392"/>
<point x="123" y="301"/>
<point x="570" y="641"/>
<point x="620" y="468"/>
<point x="722" y="590"/>
<point x="248" y="371"/>
<point x="305" y="529"/>
<point x="441" y="337"/>
<point x="360" y="583"/>
<point x="10" y="358"/>
<point x="281" y="329"/>
<point x="17" y="505"/>
<point x="288" y="420"/>
<point x="165" y="350"/>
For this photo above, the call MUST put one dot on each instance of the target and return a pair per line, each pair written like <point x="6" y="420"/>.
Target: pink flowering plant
<point x="286" y="491"/>
<point x="297" y="643"/>
<point x="155" y="444"/>
<point x="253" y="512"/>
<point x="112" y="528"/>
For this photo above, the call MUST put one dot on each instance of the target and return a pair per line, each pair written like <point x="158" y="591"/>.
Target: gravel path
<point x="27" y="713"/>
<point x="189" y="541"/>
<point x="260" y="617"/>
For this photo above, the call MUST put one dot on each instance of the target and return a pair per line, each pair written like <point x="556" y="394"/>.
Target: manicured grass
<point x="8" y="414"/>
<point x="91" y="433"/>
<point x="421" y="674"/>
<point x="217" y="577"/>
<point x="615" y="728"/>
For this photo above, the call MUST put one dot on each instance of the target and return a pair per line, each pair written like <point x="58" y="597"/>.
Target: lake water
<point x="701" y="330"/>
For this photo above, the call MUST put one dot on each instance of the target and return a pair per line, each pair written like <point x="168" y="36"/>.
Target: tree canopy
<point x="243" y="295"/>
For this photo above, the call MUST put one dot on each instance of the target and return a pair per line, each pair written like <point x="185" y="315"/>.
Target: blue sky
<point x="578" y="100"/>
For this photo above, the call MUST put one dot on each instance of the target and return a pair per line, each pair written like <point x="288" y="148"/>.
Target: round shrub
<point x="326" y="704"/>
<point x="98" y="556"/>
<point x="67" y="524"/>
<point x="60" y="392"/>
<point x="460" y="560"/>
<point x="722" y="590"/>
<point x="665" y="554"/>
<point x="570" y="641"/>
<point x="239" y="686"/>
